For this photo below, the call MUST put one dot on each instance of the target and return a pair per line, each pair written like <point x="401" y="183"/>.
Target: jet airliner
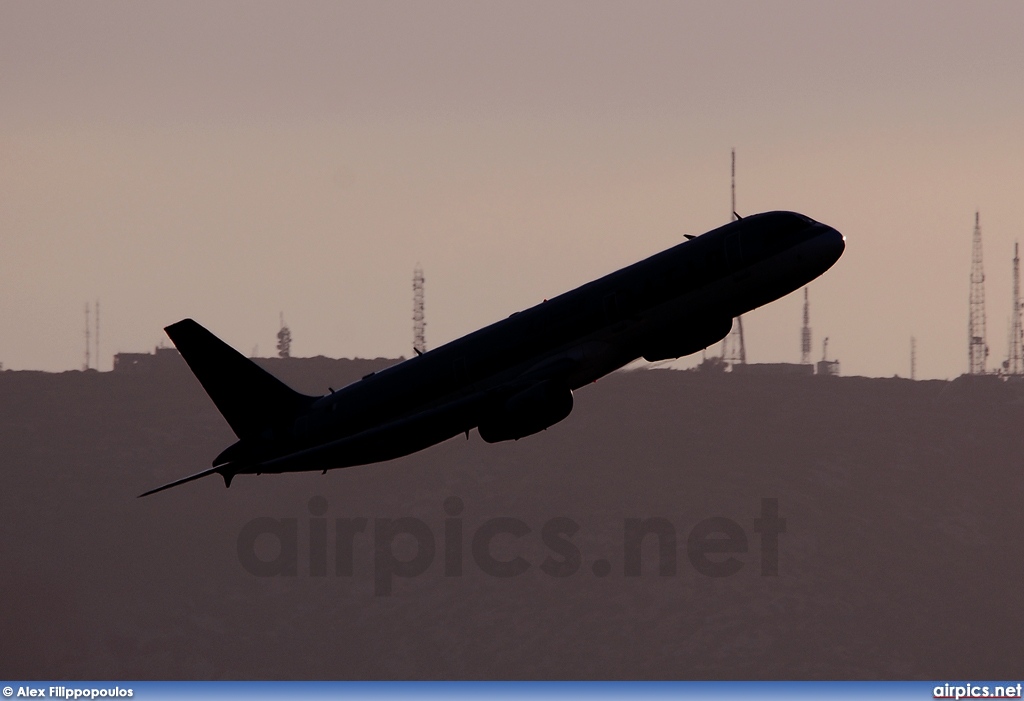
<point x="515" y="377"/>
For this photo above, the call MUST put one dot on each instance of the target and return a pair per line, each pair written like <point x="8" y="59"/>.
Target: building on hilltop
<point x="828" y="368"/>
<point x="774" y="369"/>
<point x="159" y="359"/>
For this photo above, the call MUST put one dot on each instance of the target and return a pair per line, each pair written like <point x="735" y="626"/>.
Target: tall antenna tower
<point x="284" y="340"/>
<point x="734" y="349"/>
<point x="419" y="324"/>
<point x="88" y="362"/>
<point x="732" y="208"/>
<point x="805" y="333"/>
<point x="977" y="349"/>
<point x="97" y="334"/>
<point x="1015" y="360"/>
<point x="734" y="352"/>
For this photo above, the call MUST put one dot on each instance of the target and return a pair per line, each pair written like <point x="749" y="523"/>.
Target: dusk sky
<point x="229" y="161"/>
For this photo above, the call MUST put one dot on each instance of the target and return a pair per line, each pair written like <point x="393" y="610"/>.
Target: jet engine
<point x="527" y="412"/>
<point x="690" y="338"/>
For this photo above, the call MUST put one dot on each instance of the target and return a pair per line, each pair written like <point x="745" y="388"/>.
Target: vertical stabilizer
<point x="253" y="401"/>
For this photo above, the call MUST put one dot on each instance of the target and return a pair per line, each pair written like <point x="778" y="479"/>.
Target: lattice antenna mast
<point x="97" y="334"/>
<point x="419" y="323"/>
<point x="284" y="340"/>
<point x="732" y="208"/>
<point x="739" y="337"/>
<point x="734" y="348"/>
<point x="1015" y="361"/>
<point x="88" y="362"/>
<point x="977" y="348"/>
<point x="805" y="333"/>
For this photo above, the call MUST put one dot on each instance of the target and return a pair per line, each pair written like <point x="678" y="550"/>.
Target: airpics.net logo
<point x="977" y="691"/>
<point x="406" y="547"/>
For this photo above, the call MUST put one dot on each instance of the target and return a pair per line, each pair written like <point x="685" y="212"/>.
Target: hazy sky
<point x="229" y="161"/>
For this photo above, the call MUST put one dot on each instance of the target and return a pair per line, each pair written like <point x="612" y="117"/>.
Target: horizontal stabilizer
<point x="183" y="480"/>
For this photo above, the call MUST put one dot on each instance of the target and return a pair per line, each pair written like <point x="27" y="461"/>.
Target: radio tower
<point x="734" y="350"/>
<point x="419" y="324"/>
<point x="805" y="333"/>
<point x="284" y="340"/>
<point x="733" y="208"/>
<point x="977" y="349"/>
<point x="1015" y="361"/>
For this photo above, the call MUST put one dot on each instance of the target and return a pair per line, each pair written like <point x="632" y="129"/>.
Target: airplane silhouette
<point x="515" y="377"/>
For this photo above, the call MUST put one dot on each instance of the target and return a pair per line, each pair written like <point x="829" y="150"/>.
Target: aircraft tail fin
<point x="252" y="400"/>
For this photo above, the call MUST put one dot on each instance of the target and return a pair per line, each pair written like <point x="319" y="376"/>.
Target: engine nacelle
<point x="528" y="412"/>
<point x="691" y="338"/>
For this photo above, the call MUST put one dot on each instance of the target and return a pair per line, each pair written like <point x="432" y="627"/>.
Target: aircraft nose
<point x="831" y="242"/>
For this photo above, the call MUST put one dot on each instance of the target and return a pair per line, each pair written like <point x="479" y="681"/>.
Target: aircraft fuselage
<point x="672" y="304"/>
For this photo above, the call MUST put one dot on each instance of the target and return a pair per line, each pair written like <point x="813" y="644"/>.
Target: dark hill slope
<point x="902" y="556"/>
